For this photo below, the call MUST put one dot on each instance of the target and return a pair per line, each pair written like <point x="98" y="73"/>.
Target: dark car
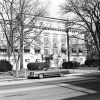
<point x="48" y="73"/>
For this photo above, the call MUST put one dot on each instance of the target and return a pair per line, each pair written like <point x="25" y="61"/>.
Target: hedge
<point x="5" y="66"/>
<point x="92" y="62"/>
<point x="70" y="65"/>
<point x="38" y="66"/>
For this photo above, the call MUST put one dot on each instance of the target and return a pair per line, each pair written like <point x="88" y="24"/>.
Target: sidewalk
<point x="25" y="81"/>
<point x="75" y="74"/>
<point x="83" y="71"/>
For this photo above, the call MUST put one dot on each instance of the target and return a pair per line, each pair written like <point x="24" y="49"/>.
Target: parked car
<point x="48" y="72"/>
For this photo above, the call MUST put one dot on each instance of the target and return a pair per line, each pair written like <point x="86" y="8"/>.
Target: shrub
<point x="92" y="62"/>
<point x="82" y="65"/>
<point x="38" y="66"/>
<point x="70" y="64"/>
<point x="5" y="66"/>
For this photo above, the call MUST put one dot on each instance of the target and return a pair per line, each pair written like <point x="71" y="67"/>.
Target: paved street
<point x="92" y="85"/>
<point x="53" y="89"/>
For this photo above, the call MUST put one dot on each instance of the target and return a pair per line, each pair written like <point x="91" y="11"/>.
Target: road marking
<point x="87" y="81"/>
<point x="68" y="86"/>
<point x="77" y="88"/>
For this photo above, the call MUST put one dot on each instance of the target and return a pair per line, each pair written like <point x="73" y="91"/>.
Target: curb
<point x="72" y="76"/>
<point x="20" y="79"/>
<point x="13" y="79"/>
<point x="25" y="81"/>
<point x="67" y="75"/>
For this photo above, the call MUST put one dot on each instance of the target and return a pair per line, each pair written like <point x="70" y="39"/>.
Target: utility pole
<point x="67" y="30"/>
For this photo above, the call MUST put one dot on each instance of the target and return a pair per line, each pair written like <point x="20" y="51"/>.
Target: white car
<point x="48" y="72"/>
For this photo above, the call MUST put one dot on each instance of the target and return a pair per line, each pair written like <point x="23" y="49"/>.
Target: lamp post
<point x="67" y="30"/>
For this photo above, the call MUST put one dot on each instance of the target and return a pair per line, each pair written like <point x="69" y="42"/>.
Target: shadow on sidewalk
<point x="95" y="96"/>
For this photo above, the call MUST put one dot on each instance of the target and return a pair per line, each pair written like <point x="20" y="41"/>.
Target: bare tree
<point x="20" y="18"/>
<point x="26" y="9"/>
<point x="92" y="52"/>
<point x="87" y="17"/>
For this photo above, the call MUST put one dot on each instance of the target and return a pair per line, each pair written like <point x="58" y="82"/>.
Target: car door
<point x="48" y="73"/>
<point x="56" y="72"/>
<point x="64" y="71"/>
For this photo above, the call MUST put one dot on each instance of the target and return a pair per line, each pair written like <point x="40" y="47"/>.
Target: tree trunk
<point x="17" y="66"/>
<point x="99" y="62"/>
<point x="21" y="47"/>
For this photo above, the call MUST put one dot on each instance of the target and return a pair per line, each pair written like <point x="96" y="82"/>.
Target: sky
<point x="55" y="10"/>
<point x="53" y="7"/>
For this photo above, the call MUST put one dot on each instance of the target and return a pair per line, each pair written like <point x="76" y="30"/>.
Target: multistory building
<point x="52" y="40"/>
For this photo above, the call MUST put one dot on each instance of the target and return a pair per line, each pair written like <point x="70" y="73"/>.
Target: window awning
<point x="63" y="49"/>
<point x="27" y="50"/>
<point x="3" y="50"/>
<point x="37" y="49"/>
<point x="16" y="50"/>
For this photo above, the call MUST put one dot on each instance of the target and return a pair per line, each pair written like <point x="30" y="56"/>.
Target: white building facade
<point x="52" y="41"/>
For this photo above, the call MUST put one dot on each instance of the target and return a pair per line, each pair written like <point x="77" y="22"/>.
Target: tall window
<point x="55" y="41"/>
<point x="74" y="41"/>
<point x="63" y="39"/>
<point x="46" y="51"/>
<point x="55" y="44"/>
<point x="46" y="41"/>
<point x="74" y="49"/>
<point x="63" y="43"/>
<point x="55" y="50"/>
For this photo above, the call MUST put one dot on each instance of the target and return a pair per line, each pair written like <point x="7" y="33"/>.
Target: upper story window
<point x="46" y="40"/>
<point x="55" y="41"/>
<point x="63" y="48"/>
<point x="46" y="51"/>
<point x="74" y="41"/>
<point x="2" y="36"/>
<point x="77" y="50"/>
<point x="63" y="39"/>
<point x="55" y="50"/>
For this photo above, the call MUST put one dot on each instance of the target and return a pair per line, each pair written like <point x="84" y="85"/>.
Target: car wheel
<point x="28" y="77"/>
<point x="41" y="76"/>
